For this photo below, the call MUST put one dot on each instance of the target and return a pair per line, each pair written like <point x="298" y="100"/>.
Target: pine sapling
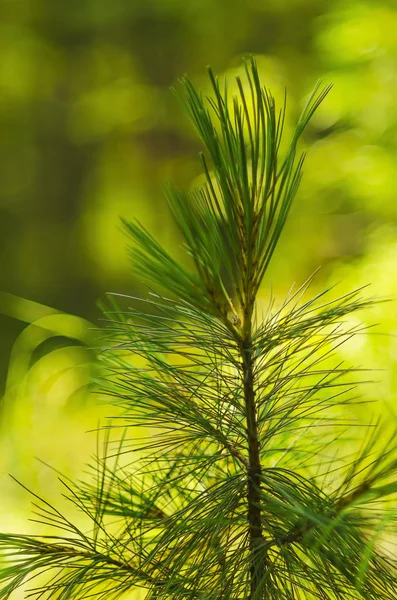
<point x="239" y="470"/>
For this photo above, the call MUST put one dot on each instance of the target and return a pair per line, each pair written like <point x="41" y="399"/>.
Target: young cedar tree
<point x="241" y="472"/>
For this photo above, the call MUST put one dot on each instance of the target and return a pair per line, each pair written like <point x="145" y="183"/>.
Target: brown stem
<point x="254" y="470"/>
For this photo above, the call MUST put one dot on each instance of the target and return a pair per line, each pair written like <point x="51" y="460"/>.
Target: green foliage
<point x="242" y="488"/>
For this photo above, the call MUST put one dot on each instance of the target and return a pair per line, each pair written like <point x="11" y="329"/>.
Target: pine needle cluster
<point x="255" y="481"/>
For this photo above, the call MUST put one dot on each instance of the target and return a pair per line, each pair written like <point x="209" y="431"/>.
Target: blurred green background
<point x="89" y="130"/>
